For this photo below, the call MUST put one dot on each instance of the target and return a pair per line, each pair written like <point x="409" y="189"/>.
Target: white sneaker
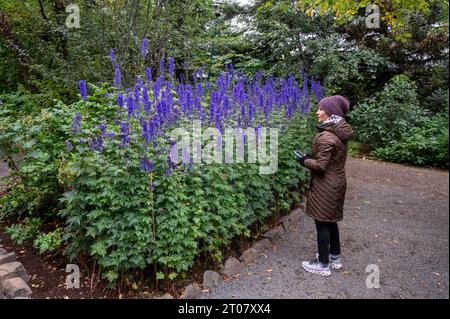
<point x="315" y="267"/>
<point x="335" y="262"/>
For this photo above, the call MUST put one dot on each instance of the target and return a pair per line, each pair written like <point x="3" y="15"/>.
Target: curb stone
<point x="192" y="291"/>
<point x="211" y="280"/>
<point x="13" y="277"/>
<point x="165" y="296"/>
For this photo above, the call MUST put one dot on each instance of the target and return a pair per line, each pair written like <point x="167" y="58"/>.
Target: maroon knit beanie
<point x="335" y="104"/>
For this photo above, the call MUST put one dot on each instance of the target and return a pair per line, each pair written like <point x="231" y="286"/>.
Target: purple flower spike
<point x="83" y="90"/>
<point x="120" y="100"/>
<point x="76" y="124"/>
<point x="112" y="55"/>
<point x="117" y="77"/>
<point x="148" y="72"/>
<point x="69" y="146"/>
<point x="146" y="165"/>
<point x="162" y="67"/>
<point x="171" y="66"/>
<point x="144" y="50"/>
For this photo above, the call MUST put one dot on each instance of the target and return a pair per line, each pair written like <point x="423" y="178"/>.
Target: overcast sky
<point x="243" y="1"/>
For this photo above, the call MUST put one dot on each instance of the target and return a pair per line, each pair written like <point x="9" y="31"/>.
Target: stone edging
<point x="233" y="266"/>
<point x="13" y="277"/>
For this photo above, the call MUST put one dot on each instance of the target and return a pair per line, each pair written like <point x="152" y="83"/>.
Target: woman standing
<point x="328" y="182"/>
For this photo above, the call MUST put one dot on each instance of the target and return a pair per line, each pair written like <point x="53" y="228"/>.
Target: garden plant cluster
<point x="121" y="199"/>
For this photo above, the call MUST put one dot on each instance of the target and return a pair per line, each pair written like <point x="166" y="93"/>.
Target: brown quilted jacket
<point x="328" y="182"/>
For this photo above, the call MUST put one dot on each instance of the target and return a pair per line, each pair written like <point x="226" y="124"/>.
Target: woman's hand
<point x="302" y="157"/>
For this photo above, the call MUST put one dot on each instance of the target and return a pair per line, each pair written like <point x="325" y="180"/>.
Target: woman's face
<point x="321" y="115"/>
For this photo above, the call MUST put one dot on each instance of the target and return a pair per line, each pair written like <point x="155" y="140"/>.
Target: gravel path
<point x="396" y="217"/>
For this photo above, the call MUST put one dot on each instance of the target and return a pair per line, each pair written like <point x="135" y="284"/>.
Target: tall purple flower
<point x="130" y="105"/>
<point x="120" y="100"/>
<point x="145" y="131"/>
<point x="144" y="50"/>
<point x="146" y="165"/>
<point x="76" y="123"/>
<point x="162" y="67"/>
<point x="117" y="82"/>
<point x="148" y="72"/>
<point x="103" y="128"/>
<point x="258" y="130"/>
<point x="112" y="55"/>
<point x="185" y="155"/>
<point x="96" y="143"/>
<point x="83" y="90"/>
<point x="125" y="132"/>
<point x="69" y="146"/>
<point x="171" y="65"/>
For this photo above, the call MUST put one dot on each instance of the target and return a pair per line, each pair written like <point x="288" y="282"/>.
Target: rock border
<point x="234" y="267"/>
<point x="13" y="277"/>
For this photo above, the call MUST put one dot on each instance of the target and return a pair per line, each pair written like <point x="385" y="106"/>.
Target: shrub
<point x="48" y="242"/>
<point x="424" y="145"/>
<point x="27" y="230"/>
<point x="399" y="130"/>
<point x="32" y="133"/>
<point x="388" y="115"/>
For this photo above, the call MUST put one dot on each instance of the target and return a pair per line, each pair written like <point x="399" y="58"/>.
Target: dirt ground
<point x="396" y="220"/>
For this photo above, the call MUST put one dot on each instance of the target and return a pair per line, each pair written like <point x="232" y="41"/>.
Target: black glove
<point x="303" y="158"/>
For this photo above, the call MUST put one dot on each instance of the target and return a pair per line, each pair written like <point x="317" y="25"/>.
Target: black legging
<point x="327" y="240"/>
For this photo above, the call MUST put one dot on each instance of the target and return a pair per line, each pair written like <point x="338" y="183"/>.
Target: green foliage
<point x="344" y="67"/>
<point x="389" y="114"/>
<point x="38" y="50"/>
<point x="394" y="14"/>
<point x="353" y="148"/>
<point x="438" y="101"/>
<point x="27" y="230"/>
<point x="399" y="129"/>
<point x="33" y="129"/>
<point x="48" y="242"/>
<point x="422" y="145"/>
